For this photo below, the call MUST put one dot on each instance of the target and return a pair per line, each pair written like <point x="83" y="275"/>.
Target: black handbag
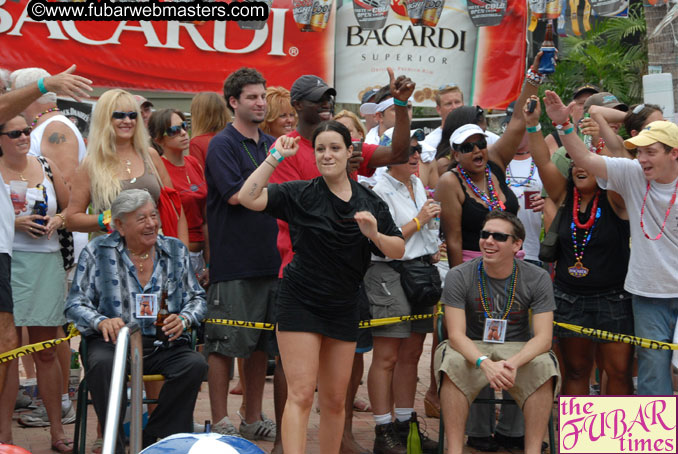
<point x="420" y="281"/>
<point x="549" y="247"/>
<point x="66" y="243"/>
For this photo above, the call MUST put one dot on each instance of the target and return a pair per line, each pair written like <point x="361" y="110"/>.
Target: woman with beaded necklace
<point x="118" y="158"/>
<point x="593" y="238"/>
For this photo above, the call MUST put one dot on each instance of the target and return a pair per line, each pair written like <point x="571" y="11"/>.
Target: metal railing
<point x="129" y="337"/>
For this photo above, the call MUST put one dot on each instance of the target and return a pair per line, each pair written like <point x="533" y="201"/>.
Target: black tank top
<point x="473" y="212"/>
<point x="606" y="255"/>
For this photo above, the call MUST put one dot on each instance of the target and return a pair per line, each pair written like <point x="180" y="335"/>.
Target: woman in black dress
<point x="335" y="223"/>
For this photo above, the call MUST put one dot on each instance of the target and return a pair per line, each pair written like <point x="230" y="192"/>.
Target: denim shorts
<point x="610" y="311"/>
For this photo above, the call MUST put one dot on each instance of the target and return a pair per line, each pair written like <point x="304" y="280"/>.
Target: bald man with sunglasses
<point x="489" y="300"/>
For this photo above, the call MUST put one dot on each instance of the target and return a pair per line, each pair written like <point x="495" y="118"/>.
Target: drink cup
<point x="434" y="223"/>
<point x="17" y="192"/>
<point x="415" y="10"/>
<point x="528" y="198"/>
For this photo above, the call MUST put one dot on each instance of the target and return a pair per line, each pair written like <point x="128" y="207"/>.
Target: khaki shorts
<point x="471" y="381"/>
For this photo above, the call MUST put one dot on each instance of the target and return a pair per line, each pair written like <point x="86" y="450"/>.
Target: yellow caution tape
<point x="616" y="337"/>
<point x="39" y="346"/>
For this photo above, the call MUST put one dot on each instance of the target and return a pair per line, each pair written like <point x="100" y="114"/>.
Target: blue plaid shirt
<point x="105" y="284"/>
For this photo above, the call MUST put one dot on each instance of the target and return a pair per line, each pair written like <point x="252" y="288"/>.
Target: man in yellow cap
<point x="648" y="186"/>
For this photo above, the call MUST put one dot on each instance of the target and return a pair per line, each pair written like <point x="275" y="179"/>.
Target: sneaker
<point x="264" y="429"/>
<point x="23" y="400"/>
<point x="38" y="417"/>
<point x="224" y="427"/>
<point x="386" y="440"/>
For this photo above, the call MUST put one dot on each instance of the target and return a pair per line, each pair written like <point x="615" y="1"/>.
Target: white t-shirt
<point x="519" y="171"/>
<point x="79" y="238"/>
<point x="6" y="223"/>
<point x="430" y="144"/>
<point x="403" y="209"/>
<point x="653" y="267"/>
<point x="24" y="242"/>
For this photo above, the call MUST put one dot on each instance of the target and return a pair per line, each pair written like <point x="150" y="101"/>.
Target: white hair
<point x="128" y="201"/>
<point x="27" y="76"/>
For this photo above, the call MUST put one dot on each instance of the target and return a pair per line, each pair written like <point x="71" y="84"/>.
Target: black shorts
<point x="6" y="302"/>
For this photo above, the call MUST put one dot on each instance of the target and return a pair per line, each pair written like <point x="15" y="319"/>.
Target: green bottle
<point x="413" y="439"/>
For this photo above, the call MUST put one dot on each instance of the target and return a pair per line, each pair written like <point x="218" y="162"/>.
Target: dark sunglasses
<point x="498" y="236"/>
<point x="117" y="115"/>
<point x="415" y="149"/>
<point x="174" y="130"/>
<point x="468" y="147"/>
<point x="17" y="133"/>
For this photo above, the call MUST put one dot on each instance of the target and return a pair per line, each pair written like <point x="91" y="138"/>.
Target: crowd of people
<point x="270" y="207"/>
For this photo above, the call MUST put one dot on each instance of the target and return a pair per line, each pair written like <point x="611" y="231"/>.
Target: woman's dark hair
<point x="635" y="121"/>
<point x="332" y="125"/>
<point x="158" y="123"/>
<point x="458" y="117"/>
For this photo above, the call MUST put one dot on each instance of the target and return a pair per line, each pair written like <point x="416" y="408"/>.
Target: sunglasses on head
<point x="498" y="236"/>
<point x="17" y="133"/>
<point x="117" y="115"/>
<point x="174" y="130"/>
<point x="468" y="147"/>
<point x="446" y="86"/>
<point x="415" y="149"/>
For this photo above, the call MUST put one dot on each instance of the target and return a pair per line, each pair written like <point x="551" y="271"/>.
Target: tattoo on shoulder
<point x="254" y="189"/>
<point x="57" y="138"/>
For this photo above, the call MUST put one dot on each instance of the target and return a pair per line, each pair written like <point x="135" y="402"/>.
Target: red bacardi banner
<point x="165" y="55"/>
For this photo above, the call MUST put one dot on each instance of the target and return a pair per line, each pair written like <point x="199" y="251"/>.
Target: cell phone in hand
<point x="531" y="105"/>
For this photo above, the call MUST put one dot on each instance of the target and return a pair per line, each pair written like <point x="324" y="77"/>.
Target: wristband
<point x="562" y="125"/>
<point x="100" y="220"/>
<point x="534" y="128"/>
<point x="276" y="154"/>
<point x="400" y="103"/>
<point x="41" y="86"/>
<point x="480" y="360"/>
<point x="184" y="322"/>
<point x="416" y="221"/>
<point x="564" y="132"/>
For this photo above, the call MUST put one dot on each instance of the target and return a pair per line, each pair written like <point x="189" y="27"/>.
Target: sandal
<point x="98" y="446"/>
<point x="361" y="405"/>
<point x="64" y="446"/>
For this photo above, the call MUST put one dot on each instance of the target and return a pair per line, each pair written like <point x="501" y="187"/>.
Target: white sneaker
<point x="38" y="417"/>
<point x="224" y="427"/>
<point x="264" y="429"/>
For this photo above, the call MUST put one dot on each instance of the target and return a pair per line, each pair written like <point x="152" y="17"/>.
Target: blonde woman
<point x="209" y="115"/>
<point x="281" y="118"/>
<point x="118" y="158"/>
<point x="353" y="123"/>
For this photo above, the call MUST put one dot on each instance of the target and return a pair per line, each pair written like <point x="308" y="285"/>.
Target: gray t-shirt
<point x="534" y="290"/>
<point x="653" y="264"/>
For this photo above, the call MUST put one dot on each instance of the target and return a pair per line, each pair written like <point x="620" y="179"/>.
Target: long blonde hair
<point x="208" y="113"/>
<point x="102" y="161"/>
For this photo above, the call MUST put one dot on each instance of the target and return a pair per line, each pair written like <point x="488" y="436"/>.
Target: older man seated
<point x="488" y="303"/>
<point x="115" y="274"/>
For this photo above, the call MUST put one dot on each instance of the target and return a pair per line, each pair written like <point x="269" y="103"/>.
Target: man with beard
<point x="243" y="273"/>
<point x="313" y="100"/>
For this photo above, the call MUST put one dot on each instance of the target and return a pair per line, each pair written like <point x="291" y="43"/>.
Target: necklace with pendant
<point x="578" y="270"/>
<point x="142" y="258"/>
<point x="128" y="164"/>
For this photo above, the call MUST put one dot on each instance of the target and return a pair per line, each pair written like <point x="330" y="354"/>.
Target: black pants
<point x="184" y="371"/>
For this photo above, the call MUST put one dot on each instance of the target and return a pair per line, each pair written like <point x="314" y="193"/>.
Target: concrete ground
<point x="37" y="440"/>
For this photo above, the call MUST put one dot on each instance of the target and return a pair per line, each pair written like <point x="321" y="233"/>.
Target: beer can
<point x="432" y="11"/>
<point x="301" y="11"/>
<point x="547" y="64"/>
<point x="320" y="14"/>
<point x="255" y="24"/>
<point x="371" y="14"/>
<point x="415" y="10"/>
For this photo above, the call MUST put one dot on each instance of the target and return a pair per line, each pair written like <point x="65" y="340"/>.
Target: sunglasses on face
<point x="415" y="149"/>
<point x="498" y="236"/>
<point x="17" y="133"/>
<point x="174" y="130"/>
<point x="468" y="147"/>
<point x="117" y="115"/>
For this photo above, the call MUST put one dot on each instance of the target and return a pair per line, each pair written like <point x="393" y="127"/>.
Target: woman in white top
<point x="397" y="347"/>
<point x="38" y="276"/>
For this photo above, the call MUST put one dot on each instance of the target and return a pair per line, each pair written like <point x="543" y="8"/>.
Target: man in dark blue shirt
<point x="245" y="259"/>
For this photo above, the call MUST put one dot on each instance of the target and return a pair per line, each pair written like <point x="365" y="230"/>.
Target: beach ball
<point x="203" y="443"/>
<point x="11" y="449"/>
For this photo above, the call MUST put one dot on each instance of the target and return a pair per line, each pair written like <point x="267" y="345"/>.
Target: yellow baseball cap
<point x="665" y="132"/>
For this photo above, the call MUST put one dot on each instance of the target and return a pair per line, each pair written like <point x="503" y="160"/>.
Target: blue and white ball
<point x="205" y="443"/>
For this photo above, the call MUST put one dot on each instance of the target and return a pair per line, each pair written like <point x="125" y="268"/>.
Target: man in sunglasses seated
<point x="489" y="300"/>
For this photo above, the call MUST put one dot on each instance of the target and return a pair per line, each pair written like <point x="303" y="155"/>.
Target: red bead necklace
<point x="666" y="216"/>
<point x="592" y="217"/>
